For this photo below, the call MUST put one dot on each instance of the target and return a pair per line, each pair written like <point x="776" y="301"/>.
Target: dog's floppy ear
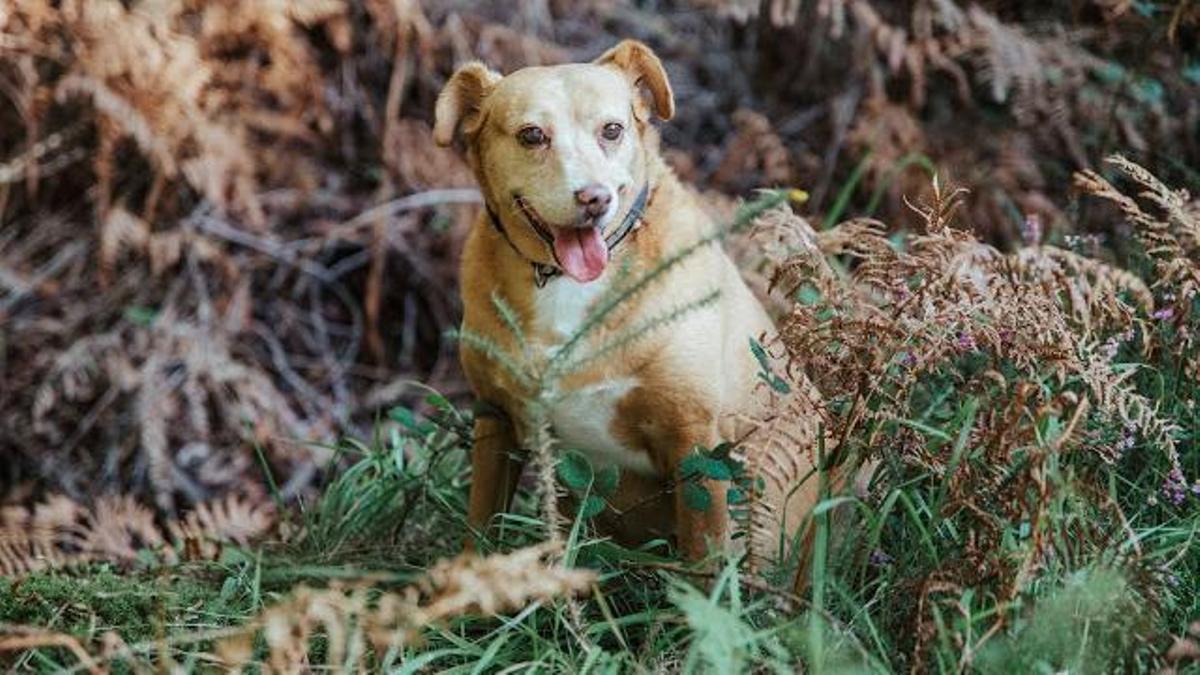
<point x="642" y="65"/>
<point x="458" y="104"/>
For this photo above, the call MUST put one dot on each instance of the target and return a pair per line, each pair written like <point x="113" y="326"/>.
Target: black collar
<point x="542" y="272"/>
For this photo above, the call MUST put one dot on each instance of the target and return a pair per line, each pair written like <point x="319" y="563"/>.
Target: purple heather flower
<point x="1031" y="229"/>
<point x="1164" y="314"/>
<point x="1126" y="443"/>
<point x="965" y="342"/>
<point x="1175" y="487"/>
<point x="880" y="559"/>
<point x="1176" y="497"/>
<point x="1168" y="576"/>
<point x="909" y="359"/>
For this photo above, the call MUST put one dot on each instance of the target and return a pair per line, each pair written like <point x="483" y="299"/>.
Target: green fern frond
<point x="509" y="316"/>
<point x="492" y="349"/>
<point x="630" y="336"/>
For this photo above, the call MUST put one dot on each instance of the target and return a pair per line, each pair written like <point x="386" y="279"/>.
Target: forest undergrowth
<point x="233" y="433"/>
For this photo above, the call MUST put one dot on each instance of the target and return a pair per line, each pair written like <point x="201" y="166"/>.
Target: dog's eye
<point x="532" y="137"/>
<point x="611" y="131"/>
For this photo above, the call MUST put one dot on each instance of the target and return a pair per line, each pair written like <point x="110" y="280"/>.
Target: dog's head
<point x="560" y="152"/>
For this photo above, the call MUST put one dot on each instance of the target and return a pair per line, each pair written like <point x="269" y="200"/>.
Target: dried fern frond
<point x="1171" y="238"/>
<point x="1098" y="295"/>
<point x="59" y="532"/>
<point x="780" y="452"/>
<point x="116" y="528"/>
<point x="1168" y="229"/>
<point x="173" y="376"/>
<point x="355" y="622"/>
<point x="754" y="152"/>
<point x="888" y="322"/>
<point x="202" y="532"/>
<point x="499" y="583"/>
<point x="354" y="618"/>
<point x="24" y="551"/>
<point x="185" y="82"/>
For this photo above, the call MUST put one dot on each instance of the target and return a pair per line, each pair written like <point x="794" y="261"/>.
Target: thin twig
<point x="394" y="207"/>
<point x="20" y="288"/>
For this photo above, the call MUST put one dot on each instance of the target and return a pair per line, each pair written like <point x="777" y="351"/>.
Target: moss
<point x="1084" y="627"/>
<point x="87" y="605"/>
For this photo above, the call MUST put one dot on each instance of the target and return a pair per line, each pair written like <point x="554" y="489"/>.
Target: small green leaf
<point x="591" y="507"/>
<point x="606" y="480"/>
<point x="760" y="353"/>
<point x="721" y="451"/>
<point x="397" y="449"/>
<point x="440" y="402"/>
<point x="808" y="295"/>
<point x="142" y="316"/>
<point x="575" y="471"/>
<point x="735" y="496"/>
<point x="700" y="465"/>
<point x="404" y="417"/>
<point x="1111" y="72"/>
<point x="690" y="466"/>
<point x="775" y="382"/>
<point x="408" y="419"/>
<point x="229" y="589"/>
<point x="1053" y="428"/>
<point x="779" y="385"/>
<point x="735" y="467"/>
<point x="1149" y="91"/>
<point x="696" y="497"/>
<point x="1144" y="8"/>
<point x="716" y="469"/>
<point x="1192" y="73"/>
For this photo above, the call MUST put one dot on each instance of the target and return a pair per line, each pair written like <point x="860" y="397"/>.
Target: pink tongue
<point x="581" y="252"/>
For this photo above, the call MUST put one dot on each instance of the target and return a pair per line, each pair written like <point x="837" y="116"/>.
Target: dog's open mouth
<point x="580" y="251"/>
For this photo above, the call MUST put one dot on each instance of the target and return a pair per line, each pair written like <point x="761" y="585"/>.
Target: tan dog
<point x="577" y="193"/>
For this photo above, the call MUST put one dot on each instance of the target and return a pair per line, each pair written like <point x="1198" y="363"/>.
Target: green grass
<point x="389" y="519"/>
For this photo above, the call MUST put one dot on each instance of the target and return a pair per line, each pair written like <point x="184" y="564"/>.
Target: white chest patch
<point x="561" y="306"/>
<point x="582" y="420"/>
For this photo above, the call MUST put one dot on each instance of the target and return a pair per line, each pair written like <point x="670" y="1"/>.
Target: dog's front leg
<point x="496" y="467"/>
<point x="699" y="530"/>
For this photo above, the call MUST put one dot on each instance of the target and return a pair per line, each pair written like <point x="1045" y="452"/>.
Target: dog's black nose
<point x="594" y="199"/>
